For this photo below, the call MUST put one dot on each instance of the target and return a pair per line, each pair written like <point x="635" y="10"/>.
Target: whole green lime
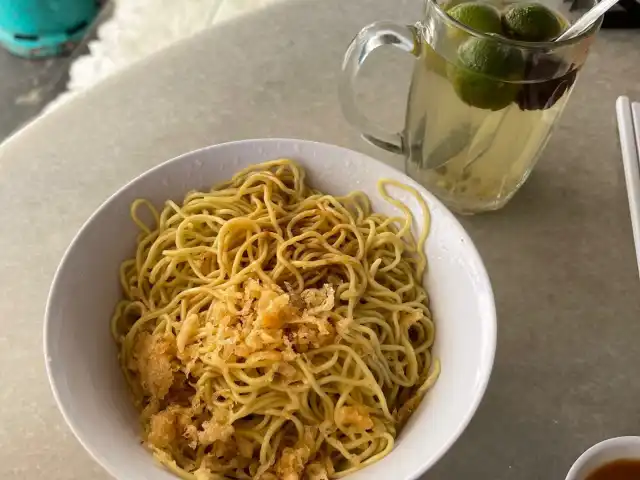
<point x="531" y="22"/>
<point x="445" y="6"/>
<point x="485" y="73"/>
<point x="478" y="16"/>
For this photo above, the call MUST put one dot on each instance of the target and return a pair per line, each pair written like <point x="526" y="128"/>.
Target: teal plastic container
<point x="41" y="28"/>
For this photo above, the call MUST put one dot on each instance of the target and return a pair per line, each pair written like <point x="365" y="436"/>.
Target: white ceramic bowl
<point x="602" y="453"/>
<point x="81" y="355"/>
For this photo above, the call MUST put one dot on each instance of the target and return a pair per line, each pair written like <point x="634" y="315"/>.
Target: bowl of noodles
<point x="270" y="309"/>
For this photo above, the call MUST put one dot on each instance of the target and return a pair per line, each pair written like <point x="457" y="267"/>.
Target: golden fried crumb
<point x="408" y="319"/>
<point x="162" y="429"/>
<point x="152" y="360"/>
<point x="273" y="309"/>
<point x="261" y="324"/>
<point x="292" y="461"/>
<point x="205" y="474"/>
<point x="245" y="447"/>
<point x="252" y="290"/>
<point x="263" y="319"/>
<point x="191" y="434"/>
<point x="213" y="431"/>
<point x="319" y="300"/>
<point x="286" y="369"/>
<point x="312" y="332"/>
<point x="344" y="325"/>
<point x="316" y="471"/>
<point x="354" y="415"/>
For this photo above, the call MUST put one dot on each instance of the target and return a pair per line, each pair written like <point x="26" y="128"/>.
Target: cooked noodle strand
<point x="269" y="331"/>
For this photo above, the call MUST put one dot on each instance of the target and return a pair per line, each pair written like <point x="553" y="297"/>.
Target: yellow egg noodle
<point x="270" y="331"/>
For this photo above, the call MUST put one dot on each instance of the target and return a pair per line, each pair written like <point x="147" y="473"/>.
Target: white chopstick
<point x="629" y="129"/>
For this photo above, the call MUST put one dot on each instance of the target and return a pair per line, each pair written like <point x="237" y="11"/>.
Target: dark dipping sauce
<point x="627" y="469"/>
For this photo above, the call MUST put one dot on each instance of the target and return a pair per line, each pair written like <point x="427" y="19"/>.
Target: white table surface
<point x="560" y="255"/>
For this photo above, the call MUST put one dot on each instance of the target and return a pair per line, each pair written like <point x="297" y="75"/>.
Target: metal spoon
<point x="587" y="20"/>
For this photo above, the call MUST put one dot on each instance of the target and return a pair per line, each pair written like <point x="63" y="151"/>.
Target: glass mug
<point x="480" y="108"/>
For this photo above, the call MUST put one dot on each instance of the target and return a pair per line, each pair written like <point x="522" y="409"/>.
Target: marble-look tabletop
<point x="560" y="255"/>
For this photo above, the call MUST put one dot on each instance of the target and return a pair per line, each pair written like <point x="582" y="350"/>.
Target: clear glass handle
<point x="379" y="34"/>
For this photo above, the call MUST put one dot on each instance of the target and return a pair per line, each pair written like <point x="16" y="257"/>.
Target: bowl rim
<point x="491" y="315"/>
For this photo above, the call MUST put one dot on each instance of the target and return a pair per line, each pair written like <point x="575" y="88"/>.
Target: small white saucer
<point x="602" y="453"/>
